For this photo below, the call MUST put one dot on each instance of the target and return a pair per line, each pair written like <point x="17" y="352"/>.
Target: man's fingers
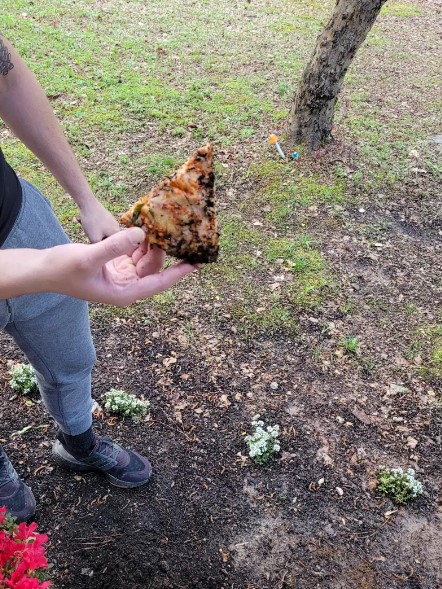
<point x="151" y="263"/>
<point x="140" y="252"/>
<point x="156" y="283"/>
<point x="123" y="242"/>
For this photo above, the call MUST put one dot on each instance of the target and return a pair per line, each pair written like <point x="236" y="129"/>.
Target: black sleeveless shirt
<point x="10" y="198"/>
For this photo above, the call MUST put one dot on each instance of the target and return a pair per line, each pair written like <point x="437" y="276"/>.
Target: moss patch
<point x="429" y="345"/>
<point x="400" y="9"/>
<point x="282" y="192"/>
<point x="306" y="267"/>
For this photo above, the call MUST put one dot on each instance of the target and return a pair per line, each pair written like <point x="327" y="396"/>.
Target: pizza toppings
<point x="179" y="212"/>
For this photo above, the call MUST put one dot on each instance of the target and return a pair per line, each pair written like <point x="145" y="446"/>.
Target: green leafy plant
<point x="400" y="486"/>
<point x="350" y="343"/>
<point x="119" y="402"/>
<point x="263" y="442"/>
<point x="23" y="379"/>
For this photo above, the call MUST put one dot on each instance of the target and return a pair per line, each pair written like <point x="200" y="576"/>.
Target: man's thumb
<point x="123" y="242"/>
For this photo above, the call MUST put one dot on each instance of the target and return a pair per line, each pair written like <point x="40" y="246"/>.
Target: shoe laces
<point x="106" y="447"/>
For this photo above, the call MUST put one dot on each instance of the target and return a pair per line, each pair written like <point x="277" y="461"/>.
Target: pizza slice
<point x="179" y="212"/>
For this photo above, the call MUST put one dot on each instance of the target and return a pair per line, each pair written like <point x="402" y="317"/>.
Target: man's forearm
<point x="23" y="272"/>
<point x="26" y="110"/>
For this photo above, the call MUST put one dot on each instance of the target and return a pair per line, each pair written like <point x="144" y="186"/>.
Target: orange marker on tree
<point x="274" y="141"/>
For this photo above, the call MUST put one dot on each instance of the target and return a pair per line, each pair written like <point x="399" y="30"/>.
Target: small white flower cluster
<point x="402" y="487"/>
<point x="125" y="404"/>
<point x="263" y="443"/>
<point x="23" y="379"/>
<point x="414" y="485"/>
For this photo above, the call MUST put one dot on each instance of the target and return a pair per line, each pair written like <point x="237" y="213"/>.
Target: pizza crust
<point x="179" y="212"/>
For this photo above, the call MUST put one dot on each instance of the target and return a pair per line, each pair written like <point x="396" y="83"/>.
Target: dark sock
<point x="79" y="446"/>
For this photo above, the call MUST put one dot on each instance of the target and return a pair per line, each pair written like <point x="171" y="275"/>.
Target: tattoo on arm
<point x="6" y="64"/>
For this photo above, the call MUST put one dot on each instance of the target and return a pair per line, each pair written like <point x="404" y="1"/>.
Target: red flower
<point x="21" y="555"/>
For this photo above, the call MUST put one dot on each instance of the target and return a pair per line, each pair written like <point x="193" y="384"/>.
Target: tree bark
<point x="311" y="116"/>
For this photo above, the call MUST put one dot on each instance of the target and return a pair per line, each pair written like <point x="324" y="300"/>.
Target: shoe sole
<point x="77" y="467"/>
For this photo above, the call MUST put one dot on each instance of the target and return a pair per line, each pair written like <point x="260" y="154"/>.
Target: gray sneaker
<point x="14" y="494"/>
<point x="121" y="467"/>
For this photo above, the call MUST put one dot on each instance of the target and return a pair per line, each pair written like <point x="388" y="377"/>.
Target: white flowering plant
<point x="23" y="379"/>
<point x="401" y="486"/>
<point x="263" y="443"/>
<point x="119" y="402"/>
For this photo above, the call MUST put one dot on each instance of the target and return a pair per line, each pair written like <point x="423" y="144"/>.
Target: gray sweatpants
<point x="52" y="330"/>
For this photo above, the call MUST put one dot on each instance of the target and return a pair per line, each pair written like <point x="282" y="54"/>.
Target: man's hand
<point x="119" y="270"/>
<point x="97" y="221"/>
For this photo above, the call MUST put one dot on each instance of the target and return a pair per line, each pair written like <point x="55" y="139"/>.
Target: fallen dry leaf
<point x="322" y="454"/>
<point x="224" y="401"/>
<point x="225" y="555"/>
<point x="412" y="442"/>
<point x="363" y="417"/>
<point x="241" y="458"/>
<point x="169" y="361"/>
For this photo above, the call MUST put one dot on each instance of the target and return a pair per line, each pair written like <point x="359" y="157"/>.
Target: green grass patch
<point x="400" y="9"/>
<point x="164" y="299"/>
<point x="428" y="343"/>
<point x="427" y="346"/>
<point x="160" y="164"/>
<point x="103" y="79"/>
<point x="236" y="235"/>
<point x="262" y="314"/>
<point x="281" y="193"/>
<point x="310" y="277"/>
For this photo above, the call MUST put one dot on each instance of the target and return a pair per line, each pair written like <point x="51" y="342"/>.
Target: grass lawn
<point x="323" y="313"/>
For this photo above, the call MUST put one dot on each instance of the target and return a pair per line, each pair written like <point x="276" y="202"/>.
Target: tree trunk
<point x="311" y="116"/>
